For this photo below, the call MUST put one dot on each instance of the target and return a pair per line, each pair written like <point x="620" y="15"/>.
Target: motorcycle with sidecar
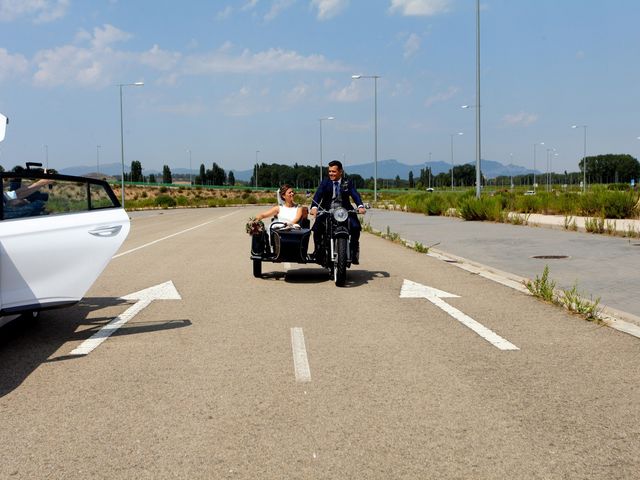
<point x="281" y="242"/>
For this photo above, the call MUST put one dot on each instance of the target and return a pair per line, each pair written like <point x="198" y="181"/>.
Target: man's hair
<point x="336" y="163"/>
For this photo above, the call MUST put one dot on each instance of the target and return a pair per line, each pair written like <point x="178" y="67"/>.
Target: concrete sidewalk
<point x="602" y="266"/>
<point x="622" y="227"/>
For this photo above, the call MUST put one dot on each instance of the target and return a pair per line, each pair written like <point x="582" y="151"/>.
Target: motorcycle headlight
<point x="340" y="214"/>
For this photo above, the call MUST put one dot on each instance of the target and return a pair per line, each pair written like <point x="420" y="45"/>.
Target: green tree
<point x="411" y="183"/>
<point x="136" y="171"/>
<point x="231" y="178"/>
<point x="152" y="178"/>
<point x="201" y="178"/>
<point x="166" y="174"/>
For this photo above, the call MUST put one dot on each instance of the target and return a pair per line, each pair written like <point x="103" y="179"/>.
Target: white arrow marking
<point x="164" y="291"/>
<point x="417" y="290"/>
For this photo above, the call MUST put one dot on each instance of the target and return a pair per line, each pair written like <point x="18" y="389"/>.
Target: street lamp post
<point x="320" y="120"/>
<point x="584" y="158"/>
<point x="136" y="84"/>
<point x="98" y="158"/>
<point x="534" y="163"/>
<point x="375" y="137"/>
<point x="452" y="164"/>
<point x="46" y="157"/>
<point x="429" y="171"/>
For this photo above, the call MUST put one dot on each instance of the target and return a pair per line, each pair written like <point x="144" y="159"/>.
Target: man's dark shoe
<point x="355" y="256"/>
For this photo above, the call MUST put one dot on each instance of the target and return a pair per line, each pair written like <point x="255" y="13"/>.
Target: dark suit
<point x="323" y="199"/>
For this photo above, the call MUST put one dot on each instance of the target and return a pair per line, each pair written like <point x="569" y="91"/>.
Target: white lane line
<point x="172" y="235"/>
<point x="300" y="361"/>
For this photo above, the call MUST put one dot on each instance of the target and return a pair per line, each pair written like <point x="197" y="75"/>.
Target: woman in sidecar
<point x="286" y="239"/>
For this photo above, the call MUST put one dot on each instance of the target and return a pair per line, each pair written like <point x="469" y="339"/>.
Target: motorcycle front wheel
<point x="340" y="267"/>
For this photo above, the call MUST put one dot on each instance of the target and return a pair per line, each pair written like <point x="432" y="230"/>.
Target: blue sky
<point x="226" y="78"/>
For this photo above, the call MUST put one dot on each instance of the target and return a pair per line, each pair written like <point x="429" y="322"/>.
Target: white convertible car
<point x="57" y="234"/>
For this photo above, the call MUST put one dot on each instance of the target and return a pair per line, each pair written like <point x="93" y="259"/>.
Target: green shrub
<point x="182" y="201"/>
<point x="620" y="204"/>
<point x="163" y="189"/>
<point x="483" y="208"/>
<point x="165" y="201"/>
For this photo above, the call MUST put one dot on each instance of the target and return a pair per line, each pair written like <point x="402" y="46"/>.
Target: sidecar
<point x="279" y="243"/>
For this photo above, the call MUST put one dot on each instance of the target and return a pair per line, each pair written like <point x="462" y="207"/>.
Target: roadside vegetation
<point x="571" y="299"/>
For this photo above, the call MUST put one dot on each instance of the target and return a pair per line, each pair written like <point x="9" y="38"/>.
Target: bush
<point x="165" y="201"/>
<point x="163" y="189"/>
<point x="484" y="208"/>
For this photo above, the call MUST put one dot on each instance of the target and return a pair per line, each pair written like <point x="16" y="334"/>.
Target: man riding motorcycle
<point x="337" y="189"/>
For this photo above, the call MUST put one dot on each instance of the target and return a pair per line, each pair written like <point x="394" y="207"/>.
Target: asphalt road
<point x="601" y="266"/>
<point x="205" y="386"/>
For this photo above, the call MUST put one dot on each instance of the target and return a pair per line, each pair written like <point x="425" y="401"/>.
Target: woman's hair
<point x="283" y="190"/>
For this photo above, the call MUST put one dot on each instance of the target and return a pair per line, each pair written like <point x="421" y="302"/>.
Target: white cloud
<point x="42" y="11"/>
<point x="159" y="59"/>
<point x="297" y="94"/>
<point x="441" y="96"/>
<point x="269" y="61"/>
<point x="103" y="37"/>
<point x="12" y="65"/>
<point x="91" y="66"/>
<point x="521" y="118"/>
<point x="225" y="13"/>
<point x="412" y="45"/>
<point x="249" y="5"/>
<point x="277" y="7"/>
<point x="244" y="103"/>
<point x="350" y="93"/>
<point x="419" y="7"/>
<point x="329" y="8"/>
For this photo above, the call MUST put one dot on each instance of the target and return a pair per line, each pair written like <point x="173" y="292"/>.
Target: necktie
<point x="335" y="189"/>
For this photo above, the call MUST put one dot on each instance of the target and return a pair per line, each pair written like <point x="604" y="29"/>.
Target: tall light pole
<point x="429" y="173"/>
<point x="46" y="157"/>
<point x="478" y="147"/>
<point x="584" y="158"/>
<point x="375" y="137"/>
<point x="136" y="84"/>
<point x="257" y="152"/>
<point x="534" y="163"/>
<point x="190" y="170"/>
<point x="453" y="135"/>
<point x="98" y="158"/>
<point x="320" y="120"/>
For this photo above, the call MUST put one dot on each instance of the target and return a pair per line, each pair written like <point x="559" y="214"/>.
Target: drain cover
<point x="550" y="257"/>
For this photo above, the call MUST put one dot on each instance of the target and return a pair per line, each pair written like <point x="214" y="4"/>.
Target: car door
<point x="55" y="242"/>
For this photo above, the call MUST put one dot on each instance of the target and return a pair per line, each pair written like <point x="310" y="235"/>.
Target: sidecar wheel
<point x="257" y="268"/>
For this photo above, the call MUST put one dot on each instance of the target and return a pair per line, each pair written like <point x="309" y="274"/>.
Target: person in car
<point x="16" y="203"/>
<point x="18" y="196"/>
<point x="289" y="212"/>
<point x="337" y="189"/>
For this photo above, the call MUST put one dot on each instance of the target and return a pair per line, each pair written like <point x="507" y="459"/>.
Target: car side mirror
<point x="4" y="121"/>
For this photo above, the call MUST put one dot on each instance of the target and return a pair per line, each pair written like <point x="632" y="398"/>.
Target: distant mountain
<point x="390" y="168"/>
<point x="115" y="169"/>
